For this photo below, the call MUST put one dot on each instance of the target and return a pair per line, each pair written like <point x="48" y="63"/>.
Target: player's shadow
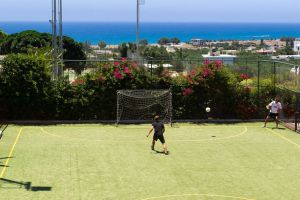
<point x="161" y="152"/>
<point x="4" y="165"/>
<point x="4" y="158"/>
<point x="1" y="165"/>
<point x="3" y="127"/>
<point x="278" y="128"/>
<point x="11" y="184"/>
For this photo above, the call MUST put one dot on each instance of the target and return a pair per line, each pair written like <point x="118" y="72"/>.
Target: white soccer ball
<point x="207" y="109"/>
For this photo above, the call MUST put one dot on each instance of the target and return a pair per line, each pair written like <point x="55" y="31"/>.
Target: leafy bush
<point x="27" y="92"/>
<point x="25" y="85"/>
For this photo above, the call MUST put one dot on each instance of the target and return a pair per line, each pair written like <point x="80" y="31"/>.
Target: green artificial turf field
<point x="206" y="162"/>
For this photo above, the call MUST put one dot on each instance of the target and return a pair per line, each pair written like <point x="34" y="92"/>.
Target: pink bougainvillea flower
<point x="78" y="82"/>
<point x="206" y="73"/>
<point x="134" y="65"/>
<point x="126" y="70"/>
<point x="193" y="73"/>
<point x="118" y="75"/>
<point x="123" y="59"/>
<point x="117" y="70"/>
<point x="123" y="66"/>
<point x="206" y="62"/>
<point x="244" y="76"/>
<point x="187" y="91"/>
<point x="218" y="64"/>
<point x="116" y="63"/>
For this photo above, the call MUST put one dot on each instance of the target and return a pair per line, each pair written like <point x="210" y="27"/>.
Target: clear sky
<point x="156" y="10"/>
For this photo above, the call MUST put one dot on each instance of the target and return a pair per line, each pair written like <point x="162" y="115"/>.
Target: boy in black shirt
<point x="159" y="130"/>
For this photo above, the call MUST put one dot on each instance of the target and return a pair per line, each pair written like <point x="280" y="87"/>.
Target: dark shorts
<point x="273" y="115"/>
<point x="159" y="137"/>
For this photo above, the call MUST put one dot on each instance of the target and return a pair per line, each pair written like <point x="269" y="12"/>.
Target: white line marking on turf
<point x="284" y="138"/>
<point x="225" y="138"/>
<point x="107" y="140"/>
<point x="205" y="195"/>
<point x="11" y="152"/>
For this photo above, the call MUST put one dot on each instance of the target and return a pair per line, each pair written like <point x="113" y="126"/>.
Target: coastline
<point x="115" y="33"/>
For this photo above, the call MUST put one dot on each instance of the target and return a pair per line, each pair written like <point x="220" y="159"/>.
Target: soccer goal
<point x="135" y="106"/>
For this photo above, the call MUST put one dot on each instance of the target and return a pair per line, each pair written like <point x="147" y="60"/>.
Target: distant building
<point x="170" y="49"/>
<point x="197" y="42"/>
<point x="297" y="45"/>
<point x="268" y="51"/>
<point x="286" y="57"/>
<point x="154" y="66"/>
<point x="230" y="52"/>
<point x="225" y="58"/>
<point x="250" y="48"/>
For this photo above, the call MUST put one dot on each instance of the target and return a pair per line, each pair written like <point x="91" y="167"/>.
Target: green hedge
<point x="27" y="92"/>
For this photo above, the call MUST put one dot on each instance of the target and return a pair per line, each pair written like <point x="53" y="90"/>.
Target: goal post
<point x="137" y="106"/>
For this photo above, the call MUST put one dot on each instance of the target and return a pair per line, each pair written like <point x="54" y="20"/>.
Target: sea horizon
<point x="118" y="32"/>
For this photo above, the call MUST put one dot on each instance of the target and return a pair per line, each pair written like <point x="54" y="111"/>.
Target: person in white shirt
<point x="275" y="108"/>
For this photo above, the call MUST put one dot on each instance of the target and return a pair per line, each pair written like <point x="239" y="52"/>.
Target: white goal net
<point x="142" y="105"/>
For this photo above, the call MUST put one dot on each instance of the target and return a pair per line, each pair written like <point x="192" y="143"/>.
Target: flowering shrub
<point x="94" y="94"/>
<point x="206" y="62"/>
<point x="244" y="76"/>
<point x="124" y="69"/>
<point x="187" y="91"/>
<point x="78" y="81"/>
<point x="247" y="111"/>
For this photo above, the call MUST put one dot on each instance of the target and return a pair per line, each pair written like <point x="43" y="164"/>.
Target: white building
<point x="225" y="58"/>
<point x="285" y="57"/>
<point x="297" y="45"/>
<point x="197" y="42"/>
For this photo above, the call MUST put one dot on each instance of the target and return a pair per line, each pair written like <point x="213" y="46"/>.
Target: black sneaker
<point x="167" y="153"/>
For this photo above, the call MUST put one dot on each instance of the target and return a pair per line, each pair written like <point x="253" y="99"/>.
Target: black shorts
<point x="159" y="137"/>
<point x="273" y="115"/>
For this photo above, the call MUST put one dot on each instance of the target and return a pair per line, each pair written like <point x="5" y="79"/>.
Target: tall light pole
<point x="54" y="41"/>
<point x="60" y="31"/>
<point x="57" y="49"/>
<point x="138" y="3"/>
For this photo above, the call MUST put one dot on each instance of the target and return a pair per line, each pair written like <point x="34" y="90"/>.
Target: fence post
<point x="258" y="88"/>
<point x="274" y="77"/>
<point x="296" y="112"/>
<point x="118" y="108"/>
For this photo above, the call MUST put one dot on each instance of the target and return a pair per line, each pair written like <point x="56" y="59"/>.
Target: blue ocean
<point x="118" y="32"/>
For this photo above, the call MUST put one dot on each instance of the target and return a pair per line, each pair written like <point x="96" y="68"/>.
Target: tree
<point x="74" y="51"/>
<point x="288" y="40"/>
<point x="163" y="41"/>
<point x="33" y="41"/>
<point x="25" y="42"/>
<point x="285" y="51"/>
<point x="87" y="47"/>
<point x="175" y="40"/>
<point x="3" y="35"/>
<point x="144" y="42"/>
<point x="262" y="43"/>
<point x="123" y="48"/>
<point x="156" y="53"/>
<point x="102" y="44"/>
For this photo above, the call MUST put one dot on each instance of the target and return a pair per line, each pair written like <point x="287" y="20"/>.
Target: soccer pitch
<point x="206" y="162"/>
